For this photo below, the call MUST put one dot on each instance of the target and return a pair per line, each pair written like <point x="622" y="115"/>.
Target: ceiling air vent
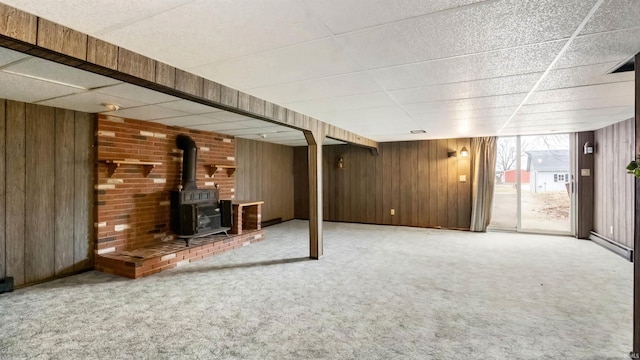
<point x="628" y="65"/>
<point x="418" y="131"/>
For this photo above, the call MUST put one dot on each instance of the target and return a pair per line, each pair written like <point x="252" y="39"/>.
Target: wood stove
<point x="195" y="212"/>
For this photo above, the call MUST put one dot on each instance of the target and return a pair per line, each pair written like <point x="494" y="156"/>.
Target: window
<point x="560" y="177"/>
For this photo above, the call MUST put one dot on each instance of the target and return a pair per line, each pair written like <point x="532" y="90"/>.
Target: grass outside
<point x="540" y="211"/>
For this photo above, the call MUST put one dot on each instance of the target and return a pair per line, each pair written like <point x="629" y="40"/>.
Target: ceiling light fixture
<point x="112" y="107"/>
<point x="418" y="132"/>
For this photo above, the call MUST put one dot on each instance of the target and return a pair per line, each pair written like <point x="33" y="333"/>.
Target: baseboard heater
<point x="6" y="285"/>
<point x="611" y="245"/>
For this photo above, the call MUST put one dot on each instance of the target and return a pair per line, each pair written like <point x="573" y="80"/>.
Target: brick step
<point x="149" y="260"/>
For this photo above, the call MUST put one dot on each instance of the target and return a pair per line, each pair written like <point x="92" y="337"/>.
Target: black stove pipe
<point x="189" y="158"/>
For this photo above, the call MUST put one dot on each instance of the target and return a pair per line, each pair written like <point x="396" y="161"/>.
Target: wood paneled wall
<point x="46" y="191"/>
<point x="614" y="188"/>
<point x="265" y="172"/>
<point x="417" y="179"/>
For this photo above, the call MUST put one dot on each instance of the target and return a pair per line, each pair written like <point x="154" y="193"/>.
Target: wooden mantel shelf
<point x="114" y="164"/>
<point x="213" y="168"/>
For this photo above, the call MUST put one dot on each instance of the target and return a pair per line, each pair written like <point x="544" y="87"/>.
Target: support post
<point x="636" y="226"/>
<point x="314" y="140"/>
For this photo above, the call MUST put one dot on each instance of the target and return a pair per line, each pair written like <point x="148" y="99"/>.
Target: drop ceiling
<point x="378" y="68"/>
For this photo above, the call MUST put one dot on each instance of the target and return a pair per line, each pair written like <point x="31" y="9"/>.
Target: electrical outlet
<point x="393" y="211"/>
<point x="611" y="229"/>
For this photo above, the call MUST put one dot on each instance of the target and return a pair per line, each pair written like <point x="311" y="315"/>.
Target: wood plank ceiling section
<point x="35" y="36"/>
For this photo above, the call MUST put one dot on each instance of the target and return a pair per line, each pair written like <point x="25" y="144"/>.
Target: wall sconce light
<point x="112" y="107"/>
<point x="341" y="163"/>
<point x="464" y="152"/>
<point x="452" y="154"/>
<point x="588" y="148"/>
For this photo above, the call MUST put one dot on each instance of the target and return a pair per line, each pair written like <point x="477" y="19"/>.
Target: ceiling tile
<point x="19" y="88"/>
<point x="572" y="116"/>
<point x="93" y="102"/>
<point x="147" y="112"/>
<point x="383" y="114"/>
<point x="188" y="120"/>
<point x="617" y="46"/>
<point x="621" y="89"/>
<point x="253" y="123"/>
<point x="8" y="56"/>
<point x="343" y="103"/>
<point x="612" y="15"/>
<point x="189" y="107"/>
<point x="468" y="89"/>
<point x="466" y="104"/>
<point x="226" y="116"/>
<point x="310" y="60"/>
<point x="583" y="75"/>
<point x="447" y="115"/>
<point x="341" y="85"/>
<point x="62" y="74"/>
<point x="517" y="61"/>
<point x="342" y="16"/>
<point x="95" y="15"/>
<point x="136" y="93"/>
<point x="218" y="126"/>
<point x="575" y="105"/>
<point x="494" y="25"/>
<point x="214" y="30"/>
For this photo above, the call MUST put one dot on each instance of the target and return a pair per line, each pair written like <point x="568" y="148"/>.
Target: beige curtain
<point x="483" y="175"/>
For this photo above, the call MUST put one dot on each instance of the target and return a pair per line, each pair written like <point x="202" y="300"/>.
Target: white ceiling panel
<point x="613" y="15"/>
<point x="494" y="25"/>
<point x="583" y="104"/>
<point x="226" y="116"/>
<point x="8" y="56"/>
<point x="583" y="75"/>
<point x="218" y="127"/>
<point x="188" y="120"/>
<point x="62" y="74"/>
<point x="342" y="103"/>
<point x="342" y="85"/>
<point x="310" y="60"/>
<point x="622" y="89"/>
<point x="136" y="93"/>
<point x="147" y="112"/>
<point x="616" y="46"/>
<point x="468" y="89"/>
<point x="232" y="28"/>
<point x="387" y="114"/>
<point x="19" y="88"/>
<point x="458" y="67"/>
<point x="573" y="116"/>
<point x="93" y="16"/>
<point x="91" y="102"/>
<point x="518" y="61"/>
<point x="486" y="102"/>
<point x="342" y="16"/>
<point x="189" y="107"/>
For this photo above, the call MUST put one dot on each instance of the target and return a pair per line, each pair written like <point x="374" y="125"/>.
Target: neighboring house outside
<point x="549" y="170"/>
<point x="511" y="176"/>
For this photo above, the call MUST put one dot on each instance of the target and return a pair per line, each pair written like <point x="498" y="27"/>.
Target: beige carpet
<point x="379" y="293"/>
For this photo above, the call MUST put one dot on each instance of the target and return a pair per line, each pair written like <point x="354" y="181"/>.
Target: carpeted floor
<point x="379" y="293"/>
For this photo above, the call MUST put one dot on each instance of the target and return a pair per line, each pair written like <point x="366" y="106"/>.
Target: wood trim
<point x="636" y="235"/>
<point x="17" y="24"/>
<point x="2" y="190"/>
<point x="102" y="53"/>
<point x="61" y="39"/>
<point x="314" y="139"/>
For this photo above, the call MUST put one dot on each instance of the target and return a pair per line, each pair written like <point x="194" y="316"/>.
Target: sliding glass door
<point x="534" y="183"/>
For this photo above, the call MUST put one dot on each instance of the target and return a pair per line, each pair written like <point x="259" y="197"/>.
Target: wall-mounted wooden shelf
<point x="213" y="168"/>
<point x="114" y="164"/>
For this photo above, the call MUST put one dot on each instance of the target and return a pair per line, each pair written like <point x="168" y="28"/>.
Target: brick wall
<point x="133" y="210"/>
